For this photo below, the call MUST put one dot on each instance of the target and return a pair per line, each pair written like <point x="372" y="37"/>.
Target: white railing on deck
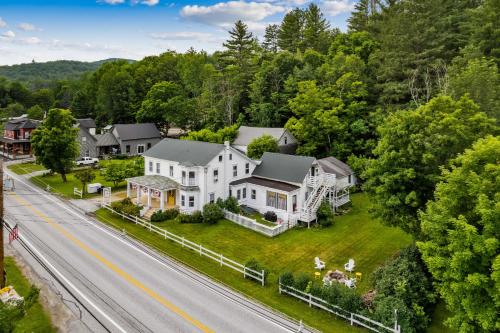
<point x="261" y="228"/>
<point x="198" y="248"/>
<point x="353" y="318"/>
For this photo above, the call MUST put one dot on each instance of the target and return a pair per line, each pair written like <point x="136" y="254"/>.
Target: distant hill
<point x="49" y="71"/>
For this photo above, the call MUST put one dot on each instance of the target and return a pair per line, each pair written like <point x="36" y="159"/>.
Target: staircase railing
<point x="323" y="184"/>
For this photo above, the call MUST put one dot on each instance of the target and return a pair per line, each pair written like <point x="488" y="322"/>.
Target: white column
<point x="162" y="200"/>
<point x="138" y="196"/>
<point x="128" y="189"/>
<point x="149" y="197"/>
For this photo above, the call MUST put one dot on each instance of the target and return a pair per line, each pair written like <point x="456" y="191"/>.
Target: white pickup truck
<point x="87" y="161"/>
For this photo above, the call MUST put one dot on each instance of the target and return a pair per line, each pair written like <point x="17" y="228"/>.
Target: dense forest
<point x="409" y="96"/>
<point x="37" y="75"/>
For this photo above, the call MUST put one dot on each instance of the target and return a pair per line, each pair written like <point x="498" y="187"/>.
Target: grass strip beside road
<point x="25" y="168"/>
<point x="36" y="320"/>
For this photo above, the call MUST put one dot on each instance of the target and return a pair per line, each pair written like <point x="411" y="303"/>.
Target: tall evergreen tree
<point x="291" y="32"/>
<point x="270" y="43"/>
<point x="240" y="46"/>
<point x="317" y="34"/>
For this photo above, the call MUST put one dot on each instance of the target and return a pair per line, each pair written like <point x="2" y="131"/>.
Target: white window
<point x="158" y="167"/>
<point x="238" y="194"/>
<point x="127" y="149"/>
<point x="276" y="200"/>
<point x="171" y="171"/>
<point x="150" y="166"/>
<point x="84" y="139"/>
<point x="244" y="193"/>
<point x="211" y="197"/>
<point x="191" y="201"/>
<point x="235" y="170"/>
<point x="230" y="157"/>
<point x="183" y="201"/>
<point x="183" y="177"/>
<point x="216" y="175"/>
<point x="349" y="179"/>
<point x="140" y="149"/>
<point x="192" y="178"/>
<point x="286" y="139"/>
<point x="253" y="194"/>
<point x="247" y="168"/>
<point x="220" y="158"/>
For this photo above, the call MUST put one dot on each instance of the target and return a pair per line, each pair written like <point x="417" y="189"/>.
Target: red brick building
<point x="15" y="142"/>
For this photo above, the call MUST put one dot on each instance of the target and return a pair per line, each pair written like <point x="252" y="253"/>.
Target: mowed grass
<point x="25" y="168"/>
<point x="36" y="319"/>
<point x="66" y="189"/>
<point x="354" y="235"/>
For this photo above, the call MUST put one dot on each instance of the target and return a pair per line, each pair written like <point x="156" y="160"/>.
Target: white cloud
<point x="9" y="34"/>
<point x="184" y="35"/>
<point x="112" y="2"/>
<point x="336" y="7"/>
<point x="31" y="40"/>
<point x="27" y="27"/>
<point x="150" y="2"/>
<point x="223" y="14"/>
<point x="2" y="23"/>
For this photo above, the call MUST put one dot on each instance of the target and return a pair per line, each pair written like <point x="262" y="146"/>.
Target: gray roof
<point x="86" y="123"/>
<point x="283" y="167"/>
<point x="266" y="183"/>
<point x="157" y="182"/>
<point x="18" y="123"/>
<point x="246" y="134"/>
<point x="137" y="131"/>
<point x="106" y="140"/>
<point x="185" y="152"/>
<point x="335" y="166"/>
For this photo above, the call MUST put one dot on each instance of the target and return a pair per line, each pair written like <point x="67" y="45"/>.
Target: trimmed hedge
<point x="126" y="206"/>
<point x="164" y="215"/>
<point x="195" y="217"/>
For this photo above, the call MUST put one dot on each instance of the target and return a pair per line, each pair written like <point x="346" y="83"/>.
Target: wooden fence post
<point x="200" y="249"/>
<point x="352" y="318"/>
<point x="263" y="277"/>
<point x="221" y="259"/>
<point x="244" y="272"/>
<point x="310" y="300"/>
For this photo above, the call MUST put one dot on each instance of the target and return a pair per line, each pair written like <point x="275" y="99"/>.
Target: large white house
<point x="188" y="174"/>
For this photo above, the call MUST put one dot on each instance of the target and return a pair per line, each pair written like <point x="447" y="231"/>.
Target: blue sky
<point x="90" y="30"/>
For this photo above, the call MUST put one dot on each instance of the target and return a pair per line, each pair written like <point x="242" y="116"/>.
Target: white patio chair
<point x="319" y="264"/>
<point x="350" y="283"/>
<point x="350" y="265"/>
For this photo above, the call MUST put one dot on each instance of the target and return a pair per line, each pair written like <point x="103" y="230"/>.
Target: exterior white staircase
<point x="322" y="185"/>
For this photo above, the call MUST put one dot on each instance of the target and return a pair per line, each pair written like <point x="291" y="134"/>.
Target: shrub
<point x="301" y="281"/>
<point x="195" y="217"/>
<point x="9" y="315"/>
<point x="231" y="204"/>
<point x="164" y="215"/>
<point x="349" y="299"/>
<point x="270" y="216"/>
<point x="325" y="214"/>
<point x="212" y="213"/>
<point x="126" y="206"/>
<point x="259" y="146"/>
<point x="287" y="279"/>
<point x="256" y="266"/>
<point x="220" y="203"/>
<point x="384" y="313"/>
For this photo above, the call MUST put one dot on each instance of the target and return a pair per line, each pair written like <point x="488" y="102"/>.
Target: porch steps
<point x="148" y="213"/>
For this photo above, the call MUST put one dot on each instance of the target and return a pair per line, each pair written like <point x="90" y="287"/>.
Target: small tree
<point x="231" y="204"/>
<point x="325" y="214"/>
<point x="54" y="142"/>
<point x="115" y="172"/>
<point x="85" y="176"/>
<point x="259" y="146"/>
<point x="212" y="213"/>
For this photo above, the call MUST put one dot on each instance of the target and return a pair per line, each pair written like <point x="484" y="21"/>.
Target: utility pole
<point x="2" y="268"/>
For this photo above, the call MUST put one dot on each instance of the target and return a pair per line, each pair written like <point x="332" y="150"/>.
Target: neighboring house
<point x="15" y="142"/>
<point x="189" y="174"/>
<point x="87" y="137"/>
<point x="287" y="143"/>
<point x="128" y="139"/>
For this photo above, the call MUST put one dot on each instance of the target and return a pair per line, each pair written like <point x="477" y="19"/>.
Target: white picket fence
<point x="77" y="192"/>
<point x="202" y="251"/>
<point x="352" y="318"/>
<point x="256" y="226"/>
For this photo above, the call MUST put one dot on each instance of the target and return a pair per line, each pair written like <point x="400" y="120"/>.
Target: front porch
<point x="154" y="192"/>
<point x="15" y="149"/>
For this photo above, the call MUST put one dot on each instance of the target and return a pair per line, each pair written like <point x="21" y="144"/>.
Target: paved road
<point x="127" y="287"/>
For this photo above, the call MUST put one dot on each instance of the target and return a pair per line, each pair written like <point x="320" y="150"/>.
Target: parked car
<point x="87" y="161"/>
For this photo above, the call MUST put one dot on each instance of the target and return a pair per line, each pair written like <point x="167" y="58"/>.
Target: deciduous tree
<point x="260" y="145"/>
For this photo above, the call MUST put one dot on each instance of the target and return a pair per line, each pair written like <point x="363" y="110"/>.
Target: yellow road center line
<point x="127" y="277"/>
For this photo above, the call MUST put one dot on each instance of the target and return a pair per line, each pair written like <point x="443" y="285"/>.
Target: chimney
<point x="227" y="144"/>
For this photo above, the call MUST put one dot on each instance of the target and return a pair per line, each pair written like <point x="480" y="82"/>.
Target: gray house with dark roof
<point x="128" y="139"/>
<point x="188" y="174"/>
<point x="287" y="144"/>
<point x="86" y="137"/>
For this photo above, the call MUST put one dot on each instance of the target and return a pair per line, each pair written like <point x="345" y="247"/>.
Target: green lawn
<point x="24" y="168"/>
<point x="36" y="319"/>
<point x="354" y="235"/>
<point x="66" y="189"/>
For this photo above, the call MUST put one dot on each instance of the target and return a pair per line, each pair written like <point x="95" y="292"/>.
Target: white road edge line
<point x="135" y="248"/>
<point x="72" y="285"/>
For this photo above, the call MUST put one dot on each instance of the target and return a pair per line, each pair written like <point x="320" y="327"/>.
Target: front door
<point x="171" y="198"/>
